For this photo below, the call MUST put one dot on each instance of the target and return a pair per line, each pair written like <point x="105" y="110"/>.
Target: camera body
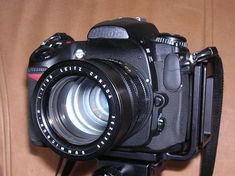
<point x="173" y="92"/>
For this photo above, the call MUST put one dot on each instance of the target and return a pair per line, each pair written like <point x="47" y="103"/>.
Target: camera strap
<point x="67" y="168"/>
<point x="209" y="152"/>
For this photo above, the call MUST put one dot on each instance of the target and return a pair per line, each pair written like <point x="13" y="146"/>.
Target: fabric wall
<point x="23" y="26"/>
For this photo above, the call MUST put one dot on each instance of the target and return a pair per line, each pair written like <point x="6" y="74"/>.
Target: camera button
<point x="159" y="100"/>
<point x="44" y="53"/>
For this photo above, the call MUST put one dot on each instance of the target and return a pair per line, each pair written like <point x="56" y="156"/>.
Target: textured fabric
<point x="23" y="26"/>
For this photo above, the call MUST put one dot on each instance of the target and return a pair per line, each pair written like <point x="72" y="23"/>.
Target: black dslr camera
<point x="130" y="96"/>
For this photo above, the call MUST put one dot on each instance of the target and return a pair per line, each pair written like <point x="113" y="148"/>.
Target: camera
<point x="128" y="93"/>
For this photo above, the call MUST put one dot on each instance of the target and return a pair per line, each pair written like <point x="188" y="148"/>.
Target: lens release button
<point x="159" y="100"/>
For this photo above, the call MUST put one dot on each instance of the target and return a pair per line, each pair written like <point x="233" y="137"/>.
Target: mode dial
<point x="172" y="39"/>
<point x="57" y="40"/>
<point x="49" y="47"/>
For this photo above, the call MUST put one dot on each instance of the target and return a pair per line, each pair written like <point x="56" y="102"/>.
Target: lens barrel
<point x="83" y="108"/>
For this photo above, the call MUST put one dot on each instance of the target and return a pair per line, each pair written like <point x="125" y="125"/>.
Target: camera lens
<point x="84" y="108"/>
<point x="78" y="109"/>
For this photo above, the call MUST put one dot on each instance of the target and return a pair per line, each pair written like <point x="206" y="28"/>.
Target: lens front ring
<point x="121" y="91"/>
<point x="48" y="135"/>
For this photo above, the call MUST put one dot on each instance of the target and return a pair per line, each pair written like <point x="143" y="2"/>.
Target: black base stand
<point x="121" y="168"/>
<point x="122" y="163"/>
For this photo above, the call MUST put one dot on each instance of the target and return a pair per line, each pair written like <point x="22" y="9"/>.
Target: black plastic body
<point x="133" y="43"/>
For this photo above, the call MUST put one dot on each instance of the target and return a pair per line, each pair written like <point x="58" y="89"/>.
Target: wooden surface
<point x="23" y="26"/>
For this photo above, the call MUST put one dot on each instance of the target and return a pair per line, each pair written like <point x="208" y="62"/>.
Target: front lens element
<point x="78" y="110"/>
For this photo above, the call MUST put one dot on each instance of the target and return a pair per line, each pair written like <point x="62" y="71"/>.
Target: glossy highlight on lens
<point x="78" y="109"/>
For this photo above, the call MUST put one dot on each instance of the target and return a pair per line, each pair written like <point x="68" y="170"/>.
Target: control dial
<point x="172" y="39"/>
<point x="57" y="40"/>
<point x="48" y="47"/>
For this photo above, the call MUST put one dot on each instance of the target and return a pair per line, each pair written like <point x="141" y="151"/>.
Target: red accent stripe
<point x="34" y="76"/>
<point x="68" y="42"/>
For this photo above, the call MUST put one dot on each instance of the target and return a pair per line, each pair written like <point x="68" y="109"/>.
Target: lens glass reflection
<point x="78" y="110"/>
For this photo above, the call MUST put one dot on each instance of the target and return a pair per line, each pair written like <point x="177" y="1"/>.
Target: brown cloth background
<point x="24" y="24"/>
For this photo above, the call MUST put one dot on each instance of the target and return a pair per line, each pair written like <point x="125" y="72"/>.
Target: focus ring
<point x="138" y="93"/>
